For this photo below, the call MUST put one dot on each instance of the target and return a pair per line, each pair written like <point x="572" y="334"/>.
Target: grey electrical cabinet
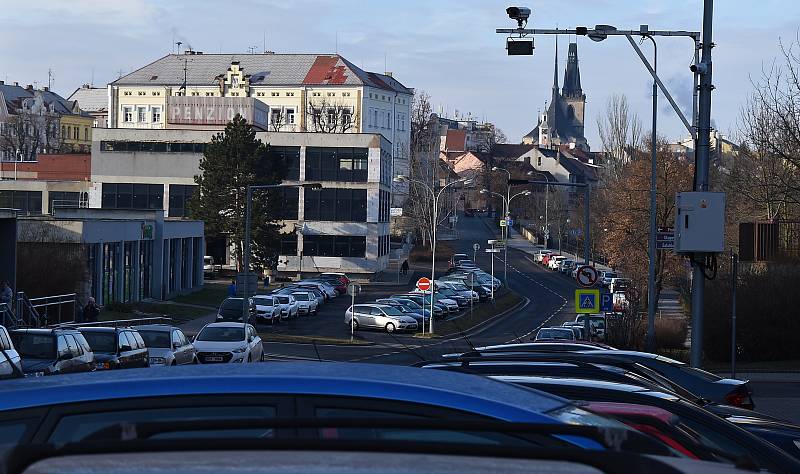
<point x="699" y="222"/>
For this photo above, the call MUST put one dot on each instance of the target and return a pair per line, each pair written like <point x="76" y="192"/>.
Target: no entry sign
<point x="423" y="284"/>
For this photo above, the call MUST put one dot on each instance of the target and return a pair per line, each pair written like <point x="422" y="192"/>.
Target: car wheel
<point x="355" y="324"/>
<point x="390" y="327"/>
<point x="195" y="360"/>
<point x="249" y="358"/>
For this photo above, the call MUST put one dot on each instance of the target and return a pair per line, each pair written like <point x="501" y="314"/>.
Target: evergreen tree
<point x="234" y="160"/>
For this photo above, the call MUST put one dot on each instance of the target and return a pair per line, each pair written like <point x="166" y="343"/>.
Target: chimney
<point x="29" y="87"/>
<point x="45" y="88"/>
<point x="2" y="83"/>
<point x="16" y="83"/>
<point x="388" y="73"/>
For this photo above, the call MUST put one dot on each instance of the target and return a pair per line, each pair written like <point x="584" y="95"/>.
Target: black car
<point x="725" y="441"/>
<point x="53" y="351"/>
<point x="231" y="310"/>
<point x="116" y="348"/>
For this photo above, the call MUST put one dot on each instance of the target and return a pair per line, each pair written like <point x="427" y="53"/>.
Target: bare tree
<point x="424" y="164"/>
<point x="620" y="133"/>
<point x="277" y="119"/>
<point x="330" y="117"/>
<point x="27" y="133"/>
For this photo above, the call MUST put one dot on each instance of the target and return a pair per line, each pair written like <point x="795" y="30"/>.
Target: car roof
<point x="590" y="346"/>
<point x="103" y="329"/>
<point x="155" y="327"/>
<point x="571" y="381"/>
<point x="43" y="331"/>
<point x="458" y="391"/>
<point x="223" y="324"/>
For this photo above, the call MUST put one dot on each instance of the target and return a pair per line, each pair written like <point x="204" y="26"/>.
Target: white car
<point x="10" y="363"/>
<point x="606" y="277"/>
<point x="539" y="256"/>
<point x="619" y="284"/>
<point x="327" y="290"/>
<point x="267" y="308"/>
<point x="228" y="342"/>
<point x="553" y="262"/>
<point x="566" y="266"/>
<point x="306" y="302"/>
<point x="289" y="307"/>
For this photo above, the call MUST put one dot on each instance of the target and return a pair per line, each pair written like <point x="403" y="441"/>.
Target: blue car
<point x="83" y="407"/>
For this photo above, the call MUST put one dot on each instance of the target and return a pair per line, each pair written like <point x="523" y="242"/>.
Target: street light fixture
<point x="435" y="198"/>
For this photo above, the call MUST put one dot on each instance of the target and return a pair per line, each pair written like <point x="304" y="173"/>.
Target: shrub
<point x="671" y="334"/>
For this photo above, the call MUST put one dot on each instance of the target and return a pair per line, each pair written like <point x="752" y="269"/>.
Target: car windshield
<point x="231" y="307"/>
<point x="554" y="334"/>
<point x="104" y="341"/>
<point x="35" y="346"/>
<point x="262" y="301"/>
<point x="392" y="311"/>
<point x="221" y="334"/>
<point x="301" y="296"/>
<point x="155" y="339"/>
<point x="283" y="299"/>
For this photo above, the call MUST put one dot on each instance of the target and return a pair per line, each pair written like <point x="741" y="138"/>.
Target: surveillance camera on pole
<point x="519" y="45"/>
<point x="521" y="14"/>
<point x="699" y="68"/>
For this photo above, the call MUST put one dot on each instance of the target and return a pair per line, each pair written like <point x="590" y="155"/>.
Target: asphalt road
<point x="546" y="300"/>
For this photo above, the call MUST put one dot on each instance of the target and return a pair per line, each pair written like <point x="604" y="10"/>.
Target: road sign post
<point x="586" y="276"/>
<point x="353" y="288"/>
<point x="587" y="301"/>
<point x="606" y="302"/>
<point x="423" y="284"/>
<point x="475" y="247"/>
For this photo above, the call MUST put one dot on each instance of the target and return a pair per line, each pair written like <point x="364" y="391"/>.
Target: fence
<point x="120" y="322"/>
<point x="49" y="309"/>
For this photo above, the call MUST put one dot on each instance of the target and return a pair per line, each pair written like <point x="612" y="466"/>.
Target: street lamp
<point x="506" y="207"/>
<point x="246" y="257"/>
<point x="435" y="198"/>
<point x="546" y="202"/>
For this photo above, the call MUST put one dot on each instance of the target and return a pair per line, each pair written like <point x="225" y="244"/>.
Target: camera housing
<point x="700" y="68"/>
<point x="521" y="14"/>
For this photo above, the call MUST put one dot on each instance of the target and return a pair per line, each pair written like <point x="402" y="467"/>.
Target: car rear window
<point x="101" y="341"/>
<point x="231" y="308"/>
<point x="155" y="338"/>
<point x="37" y="346"/>
<point x="300" y="296"/>
<point x="263" y="301"/>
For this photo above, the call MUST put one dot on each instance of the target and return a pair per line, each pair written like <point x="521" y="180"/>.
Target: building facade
<point x="300" y="92"/>
<point x="93" y="101"/>
<point x="342" y="227"/>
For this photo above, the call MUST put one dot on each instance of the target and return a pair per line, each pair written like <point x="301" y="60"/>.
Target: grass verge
<point x="267" y="337"/>
<point x="211" y="295"/>
<point x="481" y="313"/>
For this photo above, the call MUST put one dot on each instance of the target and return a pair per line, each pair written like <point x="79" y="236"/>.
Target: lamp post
<point x="246" y="256"/>
<point x="435" y="200"/>
<point x="546" y="201"/>
<point x="506" y="204"/>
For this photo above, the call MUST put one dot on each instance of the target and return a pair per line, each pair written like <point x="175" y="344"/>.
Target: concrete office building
<point x="342" y="227"/>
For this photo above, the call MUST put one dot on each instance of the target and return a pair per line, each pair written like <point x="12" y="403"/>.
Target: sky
<point x="446" y="48"/>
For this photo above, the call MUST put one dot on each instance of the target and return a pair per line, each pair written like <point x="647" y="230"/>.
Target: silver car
<point x="268" y="309"/>
<point x="288" y="305"/>
<point x="379" y="316"/>
<point x="306" y="302"/>
<point x="167" y="345"/>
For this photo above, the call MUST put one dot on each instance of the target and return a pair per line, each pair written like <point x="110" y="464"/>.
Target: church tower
<point x="572" y="93"/>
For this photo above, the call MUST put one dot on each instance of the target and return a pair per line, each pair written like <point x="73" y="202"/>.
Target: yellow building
<point x="76" y="132"/>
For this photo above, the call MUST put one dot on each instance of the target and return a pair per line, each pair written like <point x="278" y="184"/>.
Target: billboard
<point x="188" y="110"/>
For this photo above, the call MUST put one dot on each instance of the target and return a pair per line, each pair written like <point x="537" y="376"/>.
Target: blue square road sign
<point x="606" y="302"/>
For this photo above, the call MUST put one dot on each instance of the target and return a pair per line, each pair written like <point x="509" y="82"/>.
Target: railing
<point x="26" y="312"/>
<point x="7" y="316"/>
<point x="50" y="309"/>
<point x="120" y="322"/>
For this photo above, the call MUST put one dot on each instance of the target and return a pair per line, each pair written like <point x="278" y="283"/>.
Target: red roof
<point x="456" y="140"/>
<point x="325" y="71"/>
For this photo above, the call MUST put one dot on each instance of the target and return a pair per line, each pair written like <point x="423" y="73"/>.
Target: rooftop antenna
<point x="337" y="42"/>
<point x="251" y="49"/>
<point x="51" y="78"/>
<point x="179" y="43"/>
<point x="119" y="73"/>
<point x="384" y="62"/>
<point x="265" y="43"/>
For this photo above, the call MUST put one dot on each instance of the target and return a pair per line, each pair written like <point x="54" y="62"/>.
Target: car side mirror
<point x="66" y="356"/>
<point x="125" y="348"/>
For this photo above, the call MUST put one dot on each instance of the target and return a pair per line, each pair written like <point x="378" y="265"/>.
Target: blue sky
<point x="447" y="48"/>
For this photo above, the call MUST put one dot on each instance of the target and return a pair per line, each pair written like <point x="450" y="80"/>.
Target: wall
<point x="51" y="167"/>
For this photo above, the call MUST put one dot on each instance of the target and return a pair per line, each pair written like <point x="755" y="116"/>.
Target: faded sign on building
<point x="188" y="110"/>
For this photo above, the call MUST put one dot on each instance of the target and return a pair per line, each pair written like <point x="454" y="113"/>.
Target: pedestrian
<point x="404" y="267"/>
<point x="6" y="293"/>
<point x="91" y="312"/>
<point x="232" y="289"/>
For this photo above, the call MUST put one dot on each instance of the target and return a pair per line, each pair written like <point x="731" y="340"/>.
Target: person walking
<point x="232" y="289"/>
<point x="6" y="293"/>
<point x="404" y="267"/>
<point x="91" y="313"/>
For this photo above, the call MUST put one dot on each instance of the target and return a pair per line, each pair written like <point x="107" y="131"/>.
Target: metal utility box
<point x="699" y="222"/>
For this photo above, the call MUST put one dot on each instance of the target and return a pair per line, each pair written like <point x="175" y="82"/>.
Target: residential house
<point x="93" y="101"/>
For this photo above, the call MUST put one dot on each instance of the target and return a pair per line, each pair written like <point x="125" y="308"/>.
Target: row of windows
<point x="28" y="202"/>
<point x="344" y="205"/>
<point x="140" y="114"/>
<point x="383" y="245"/>
<point x="337" y="164"/>
<point x="290" y="198"/>
<point x="291" y="155"/>
<point x="335" y="246"/>
<point x="179" y="196"/>
<point x="154" y="93"/>
<point x="132" y="196"/>
<point x="74" y="133"/>
<point x="384" y="201"/>
<point x="156" y="147"/>
<point x="399" y="99"/>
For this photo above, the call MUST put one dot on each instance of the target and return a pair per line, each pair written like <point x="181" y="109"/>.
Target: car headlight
<point x="239" y="350"/>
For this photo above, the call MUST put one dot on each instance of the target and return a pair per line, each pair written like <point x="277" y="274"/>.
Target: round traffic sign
<point x="632" y="294"/>
<point x="586" y="275"/>
<point x="423" y="284"/>
<point x="476" y="247"/>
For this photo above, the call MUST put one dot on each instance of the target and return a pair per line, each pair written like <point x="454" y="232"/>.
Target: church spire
<point x="572" y="75"/>
<point x="555" y="68"/>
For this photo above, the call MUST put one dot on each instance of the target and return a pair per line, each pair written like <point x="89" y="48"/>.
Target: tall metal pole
<point x="505" y="245"/>
<point x="586" y="236"/>
<point x="433" y="260"/>
<point x="651" y="270"/>
<point x="701" y="179"/>
<point x="246" y="260"/>
<point x="734" y="271"/>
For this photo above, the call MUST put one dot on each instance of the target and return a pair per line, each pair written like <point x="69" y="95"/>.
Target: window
<point x="275" y="116"/>
<point x="63" y="131"/>
<point x="290" y="116"/>
<point x="334" y="246"/>
<point x="132" y="196"/>
<point x="63" y="199"/>
<point x="274" y="94"/>
<point x="388" y="120"/>
<point x="337" y="164"/>
<point x="176" y="339"/>
<point x="76" y="133"/>
<point x="290" y="94"/>
<point x="179" y="196"/>
<point x="28" y="202"/>
<point x="290" y="198"/>
<point x="539" y="161"/>
<point x="156" y="114"/>
<point x="161" y="147"/>
<point x="141" y="114"/>
<point x="375" y="118"/>
<point x="62" y="348"/>
<point x="86" y="134"/>
<point x="347" y="117"/>
<point x="288" y="244"/>
<point x="291" y="154"/>
<point x="332" y="116"/>
<point x="331" y="204"/>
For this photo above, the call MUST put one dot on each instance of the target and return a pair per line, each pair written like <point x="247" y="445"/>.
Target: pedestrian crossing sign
<point x="587" y="301"/>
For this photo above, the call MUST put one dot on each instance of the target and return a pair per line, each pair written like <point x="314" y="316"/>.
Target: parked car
<point x="605" y="278"/>
<point x="379" y="316"/>
<point x="288" y="304"/>
<point x="438" y="298"/>
<point x="231" y="310"/>
<point x="462" y="300"/>
<point x="439" y="311"/>
<point x="577" y="330"/>
<point x="52" y="351"/>
<point x="341" y="276"/>
<point x="555" y="334"/>
<point x="539" y="255"/>
<point x="10" y="362"/>
<point x="228" y="342"/>
<point x="566" y="266"/>
<point x="597" y="323"/>
<point x="335" y="282"/>
<point x="619" y="284"/>
<point x="306" y="302"/>
<point x="418" y="315"/>
<point x="413" y="306"/>
<point x="268" y="309"/>
<point x="116" y="348"/>
<point x="457" y="257"/>
<point x="318" y="294"/>
<point x="553" y="261"/>
<point x="460" y="288"/>
<point x="167" y="345"/>
<point x="327" y="290"/>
